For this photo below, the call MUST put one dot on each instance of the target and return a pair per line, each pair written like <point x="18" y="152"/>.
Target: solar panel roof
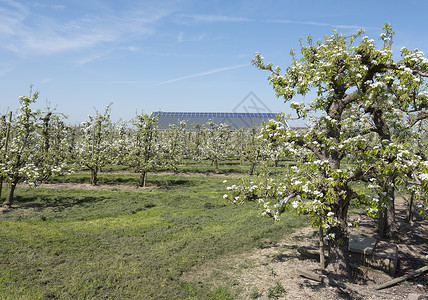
<point x="214" y="114"/>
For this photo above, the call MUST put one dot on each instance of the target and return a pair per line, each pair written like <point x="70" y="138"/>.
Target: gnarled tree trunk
<point x="338" y="245"/>
<point x="387" y="226"/>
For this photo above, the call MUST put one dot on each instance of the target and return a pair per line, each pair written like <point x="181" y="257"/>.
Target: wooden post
<point x="322" y="248"/>
<point x="409" y="216"/>
<point x="6" y="143"/>
<point x="402" y="278"/>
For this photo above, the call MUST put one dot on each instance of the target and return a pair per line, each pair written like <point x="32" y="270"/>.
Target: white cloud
<point x="11" y="15"/>
<point x="5" y="71"/>
<point x="30" y="32"/>
<point x="53" y="6"/>
<point x="131" y="48"/>
<point x="195" y="38"/>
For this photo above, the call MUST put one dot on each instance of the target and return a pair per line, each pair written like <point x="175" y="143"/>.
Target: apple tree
<point x="144" y="149"/>
<point x="217" y="144"/>
<point x="359" y="91"/>
<point x="25" y="149"/>
<point x="95" y="147"/>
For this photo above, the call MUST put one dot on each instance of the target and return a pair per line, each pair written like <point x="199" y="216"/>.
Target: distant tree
<point x="122" y="136"/>
<point x="248" y="147"/>
<point x="52" y="152"/>
<point x="275" y="147"/>
<point x="144" y="149"/>
<point x="216" y="143"/>
<point x="95" y="147"/>
<point x="173" y="144"/>
<point x="360" y="91"/>
<point x="197" y="138"/>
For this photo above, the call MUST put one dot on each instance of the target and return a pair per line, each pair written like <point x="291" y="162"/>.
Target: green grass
<point x="125" y="244"/>
<point x="128" y="177"/>
<point x="190" y="166"/>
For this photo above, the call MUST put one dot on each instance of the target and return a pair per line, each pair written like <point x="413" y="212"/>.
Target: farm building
<point x="235" y="120"/>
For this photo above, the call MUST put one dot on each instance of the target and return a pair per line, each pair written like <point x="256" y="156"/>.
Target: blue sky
<point x="172" y="55"/>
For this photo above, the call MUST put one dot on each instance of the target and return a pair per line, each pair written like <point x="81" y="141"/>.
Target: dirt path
<point x="254" y="275"/>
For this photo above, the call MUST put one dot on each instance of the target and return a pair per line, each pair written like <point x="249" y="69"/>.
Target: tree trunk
<point x="382" y="224"/>
<point x="94" y="176"/>
<point x="9" y="198"/>
<point x="338" y="244"/>
<point x="392" y="227"/>
<point x="387" y="223"/>
<point x="142" y="179"/>
<point x="1" y="185"/>
<point x="216" y="166"/>
<point x="338" y="251"/>
<point x="252" y="167"/>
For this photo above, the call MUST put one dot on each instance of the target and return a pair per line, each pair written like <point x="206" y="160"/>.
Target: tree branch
<point x="350" y="98"/>
<point x="416" y="71"/>
<point x="422" y="115"/>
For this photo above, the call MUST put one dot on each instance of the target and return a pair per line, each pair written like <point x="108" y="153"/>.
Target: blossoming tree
<point x="172" y="142"/>
<point x="95" y="148"/>
<point x="26" y="152"/>
<point x="216" y="143"/>
<point x="144" y="152"/>
<point x="248" y="147"/>
<point x="361" y="91"/>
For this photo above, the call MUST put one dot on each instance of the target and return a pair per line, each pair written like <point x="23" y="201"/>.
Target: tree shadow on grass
<point x="170" y="183"/>
<point x="58" y="202"/>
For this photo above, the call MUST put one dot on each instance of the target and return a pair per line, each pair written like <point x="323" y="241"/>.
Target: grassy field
<point x="116" y="243"/>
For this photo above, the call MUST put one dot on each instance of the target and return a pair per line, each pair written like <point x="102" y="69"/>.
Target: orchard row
<point x="35" y="145"/>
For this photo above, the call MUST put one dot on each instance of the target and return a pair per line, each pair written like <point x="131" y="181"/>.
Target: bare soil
<point x="254" y="275"/>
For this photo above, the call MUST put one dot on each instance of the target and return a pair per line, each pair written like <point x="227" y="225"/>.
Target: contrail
<point x="202" y="74"/>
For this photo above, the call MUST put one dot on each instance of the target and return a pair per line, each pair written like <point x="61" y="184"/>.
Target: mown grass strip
<point x="80" y="244"/>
